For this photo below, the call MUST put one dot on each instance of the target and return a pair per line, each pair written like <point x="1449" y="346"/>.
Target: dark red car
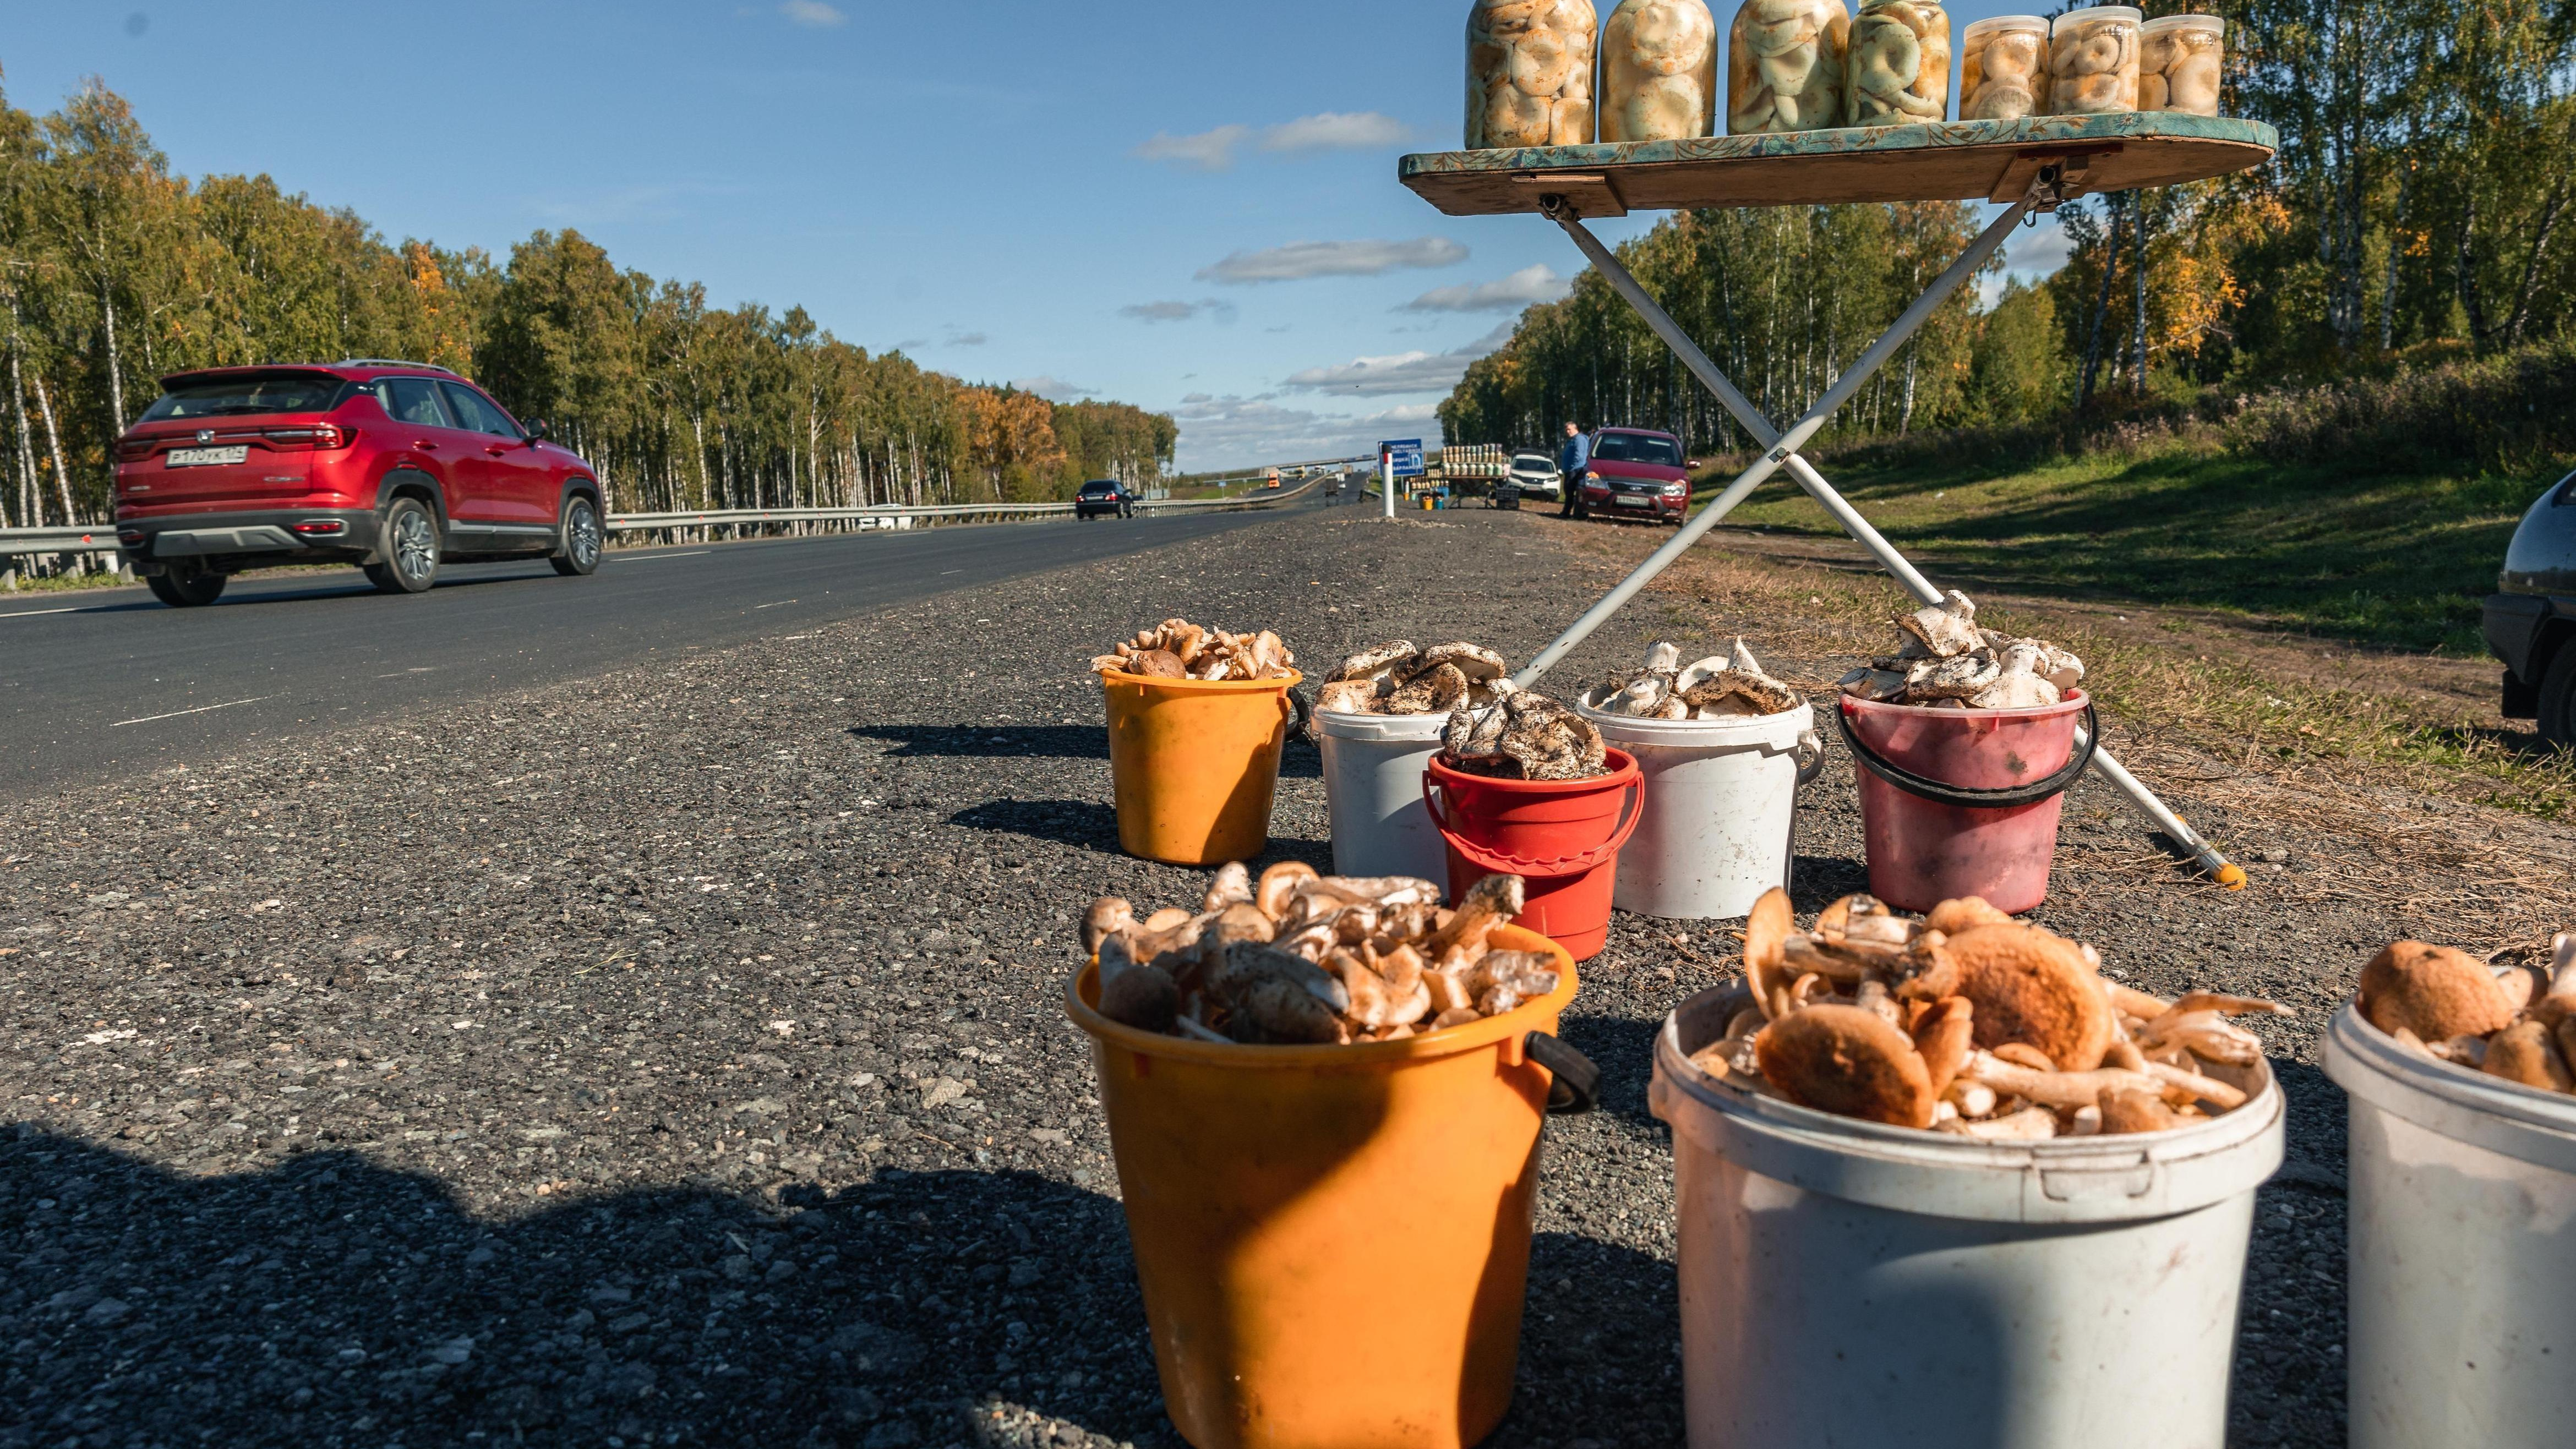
<point x="396" y="467"/>
<point x="1635" y="473"/>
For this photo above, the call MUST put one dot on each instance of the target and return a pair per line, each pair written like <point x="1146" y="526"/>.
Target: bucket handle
<point x="1495" y="861"/>
<point x="1577" y="1087"/>
<point x="1811" y="758"/>
<point x="1925" y="788"/>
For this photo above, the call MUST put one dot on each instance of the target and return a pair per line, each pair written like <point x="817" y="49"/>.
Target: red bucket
<point x="1964" y="802"/>
<point x="1562" y="836"/>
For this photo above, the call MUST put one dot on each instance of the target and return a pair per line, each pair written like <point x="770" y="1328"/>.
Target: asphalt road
<point x="102" y="685"/>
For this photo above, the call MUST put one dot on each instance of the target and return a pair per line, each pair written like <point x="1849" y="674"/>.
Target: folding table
<point x="2029" y="165"/>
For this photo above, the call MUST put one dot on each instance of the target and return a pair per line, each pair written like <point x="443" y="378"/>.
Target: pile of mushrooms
<point x="1397" y="678"/>
<point x="1179" y="649"/>
<point x="1658" y="70"/>
<point x="1523" y="735"/>
<point x="1307" y="959"/>
<point x="1529" y="73"/>
<point x="1946" y="662"/>
<point x="2506" y="1021"/>
<point x="1969" y="1022"/>
<point x="1722" y="686"/>
<point x="1784" y="66"/>
<point x="2179" y="59"/>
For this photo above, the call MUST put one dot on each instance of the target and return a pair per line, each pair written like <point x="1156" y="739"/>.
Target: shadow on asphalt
<point x="325" y="1297"/>
<point x="985" y="742"/>
<point x="1083" y="824"/>
<point x="1817" y="881"/>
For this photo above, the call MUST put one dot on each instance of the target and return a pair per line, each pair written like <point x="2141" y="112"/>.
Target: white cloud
<point x="1204" y="151"/>
<point x="1053" y="388"/>
<point x="1328" y="131"/>
<point x="1240" y="432"/>
<point x="1299" y="260"/>
<point x="1337" y="131"/>
<point x="1537" y="282"/>
<point x="967" y="339"/>
<point x="2031" y="255"/>
<point x="1403" y="372"/>
<point x="812" y="12"/>
<point x="1216" y="309"/>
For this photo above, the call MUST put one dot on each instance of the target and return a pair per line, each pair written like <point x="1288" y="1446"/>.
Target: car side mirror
<point x="536" y="430"/>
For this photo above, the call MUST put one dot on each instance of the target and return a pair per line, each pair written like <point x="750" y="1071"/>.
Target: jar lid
<point x="2129" y="13"/>
<point x="2163" y="23"/>
<point x="1994" y="23"/>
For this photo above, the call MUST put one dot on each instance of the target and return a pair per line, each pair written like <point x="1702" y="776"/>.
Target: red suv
<point x="393" y="466"/>
<point x="1634" y="473"/>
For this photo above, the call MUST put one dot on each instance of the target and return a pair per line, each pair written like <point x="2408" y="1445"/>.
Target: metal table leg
<point x="1783" y="454"/>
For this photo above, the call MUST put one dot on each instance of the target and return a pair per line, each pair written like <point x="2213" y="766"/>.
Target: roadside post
<point x="2029" y="165"/>
<point x="1401" y="458"/>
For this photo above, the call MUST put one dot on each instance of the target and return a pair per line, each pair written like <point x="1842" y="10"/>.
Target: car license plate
<point x="1633" y="501"/>
<point x="205" y="457"/>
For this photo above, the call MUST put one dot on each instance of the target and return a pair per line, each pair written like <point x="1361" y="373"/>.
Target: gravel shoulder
<point x="677" y="1056"/>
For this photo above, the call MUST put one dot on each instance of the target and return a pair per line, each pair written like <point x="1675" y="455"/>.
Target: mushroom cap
<point x="1348" y="696"/>
<point x="1953" y="916"/>
<point x="1664" y="658"/>
<point x="1107" y="916"/>
<point x="1157" y="664"/>
<point x="1233" y="883"/>
<point x="1144" y="997"/>
<point x="2527" y="1052"/>
<point x="1368" y="662"/>
<point x="1438" y="689"/>
<point x="2126" y="1109"/>
<point x="1479" y="664"/>
<point x="1766" y="935"/>
<point x="2033" y="988"/>
<point x="1848" y="1061"/>
<point x="1278" y="884"/>
<point x="2433" y="991"/>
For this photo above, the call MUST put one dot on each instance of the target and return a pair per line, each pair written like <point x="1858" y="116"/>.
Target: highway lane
<point x="95" y="685"/>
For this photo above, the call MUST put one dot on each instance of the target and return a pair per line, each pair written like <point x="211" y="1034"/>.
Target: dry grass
<point x="2375" y="796"/>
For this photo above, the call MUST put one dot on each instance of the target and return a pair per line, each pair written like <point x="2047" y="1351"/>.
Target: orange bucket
<point x="1333" y="1241"/>
<point x="1193" y="764"/>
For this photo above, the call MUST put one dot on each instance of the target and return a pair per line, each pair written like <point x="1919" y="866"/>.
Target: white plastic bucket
<point x="2463" y="1193"/>
<point x="1721" y="796"/>
<point x="1848" y="1283"/>
<point x="1373" y="767"/>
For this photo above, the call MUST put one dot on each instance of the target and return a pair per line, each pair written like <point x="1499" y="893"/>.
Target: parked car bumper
<point x="2519" y="628"/>
<point x="229" y="541"/>
<point x="1658" y="507"/>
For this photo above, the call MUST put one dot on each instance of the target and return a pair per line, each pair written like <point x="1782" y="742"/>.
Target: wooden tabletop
<point x="1944" y="161"/>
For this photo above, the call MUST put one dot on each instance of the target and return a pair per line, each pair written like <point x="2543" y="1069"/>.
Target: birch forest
<point x="2415" y="219"/>
<point x="116" y="272"/>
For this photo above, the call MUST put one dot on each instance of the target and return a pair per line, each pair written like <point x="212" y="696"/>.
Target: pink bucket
<point x="1964" y="802"/>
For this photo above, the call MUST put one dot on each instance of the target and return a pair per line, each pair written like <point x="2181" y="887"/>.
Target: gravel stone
<point x="677" y="1055"/>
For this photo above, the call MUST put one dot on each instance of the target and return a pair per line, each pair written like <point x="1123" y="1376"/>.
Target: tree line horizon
<point x="115" y="273"/>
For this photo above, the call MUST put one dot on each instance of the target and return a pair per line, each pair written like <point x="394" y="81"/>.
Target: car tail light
<point x="129" y="449"/>
<point x="323" y="528"/>
<point x="131" y="538"/>
<point x="321" y="436"/>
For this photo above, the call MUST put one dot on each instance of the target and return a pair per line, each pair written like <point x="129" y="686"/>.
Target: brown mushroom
<point x="1495" y="900"/>
<point x="1848" y="1061"/>
<point x="2127" y="1110"/>
<point x="1107" y="916"/>
<point x="1944" y="1036"/>
<point x="2433" y="991"/>
<point x="1157" y="664"/>
<point x="2527" y="1052"/>
<point x="2032" y="987"/>
<point x="1166" y="919"/>
<point x="1233" y="883"/>
<point x="1766" y="934"/>
<point x="2053" y="1089"/>
<point x="1953" y="916"/>
<point x="1279" y="885"/>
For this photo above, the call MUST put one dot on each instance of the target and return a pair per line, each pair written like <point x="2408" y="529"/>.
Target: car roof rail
<point x="395" y="362"/>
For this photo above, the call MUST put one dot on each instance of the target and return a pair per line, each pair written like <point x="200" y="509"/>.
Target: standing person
<point x="1571" y="461"/>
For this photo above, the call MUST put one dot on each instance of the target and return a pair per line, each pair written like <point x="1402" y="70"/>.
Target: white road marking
<point x="174" y="714"/>
<point x="31" y="613"/>
<point x="756" y="608"/>
<point x="650" y="557"/>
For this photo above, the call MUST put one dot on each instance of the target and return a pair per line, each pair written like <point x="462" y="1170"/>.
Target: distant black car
<point x="2531" y="621"/>
<point x="1107" y="497"/>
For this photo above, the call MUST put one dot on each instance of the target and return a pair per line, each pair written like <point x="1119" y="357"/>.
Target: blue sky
<point x="1192" y="207"/>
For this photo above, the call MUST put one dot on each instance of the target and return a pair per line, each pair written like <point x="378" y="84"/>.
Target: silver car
<point x="2531" y="620"/>
<point x="1532" y="475"/>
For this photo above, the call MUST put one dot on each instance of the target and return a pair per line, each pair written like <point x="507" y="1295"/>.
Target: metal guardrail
<point x="101" y="538"/>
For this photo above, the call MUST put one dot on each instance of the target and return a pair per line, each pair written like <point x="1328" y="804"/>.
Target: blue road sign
<point x="1406" y="453"/>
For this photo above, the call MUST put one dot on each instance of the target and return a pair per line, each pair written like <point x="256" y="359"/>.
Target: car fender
<point x="581" y="484"/>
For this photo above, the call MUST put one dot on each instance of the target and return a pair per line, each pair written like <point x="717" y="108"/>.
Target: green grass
<point x="2399" y="560"/>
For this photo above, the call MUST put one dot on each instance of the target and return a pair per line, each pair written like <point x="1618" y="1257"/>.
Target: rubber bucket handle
<point x="1576" y="864"/>
<point x="1577" y="1087"/>
<point x="1925" y="788"/>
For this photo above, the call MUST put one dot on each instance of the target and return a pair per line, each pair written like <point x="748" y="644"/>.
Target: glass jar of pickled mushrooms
<point x="1529" y="73"/>
<point x="1658" y="71"/>
<point x="1784" y="66"/>
<point x="2178" y="66"/>
<point x="2003" y="69"/>
<point x="2093" y="61"/>
<point x="1898" y="71"/>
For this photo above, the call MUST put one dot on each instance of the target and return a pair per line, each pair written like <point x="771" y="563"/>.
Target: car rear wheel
<point x="187" y="591"/>
<point x="2558" y="698"/>
<point x="410" y="546"/>
<point x="581" y="539"/>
